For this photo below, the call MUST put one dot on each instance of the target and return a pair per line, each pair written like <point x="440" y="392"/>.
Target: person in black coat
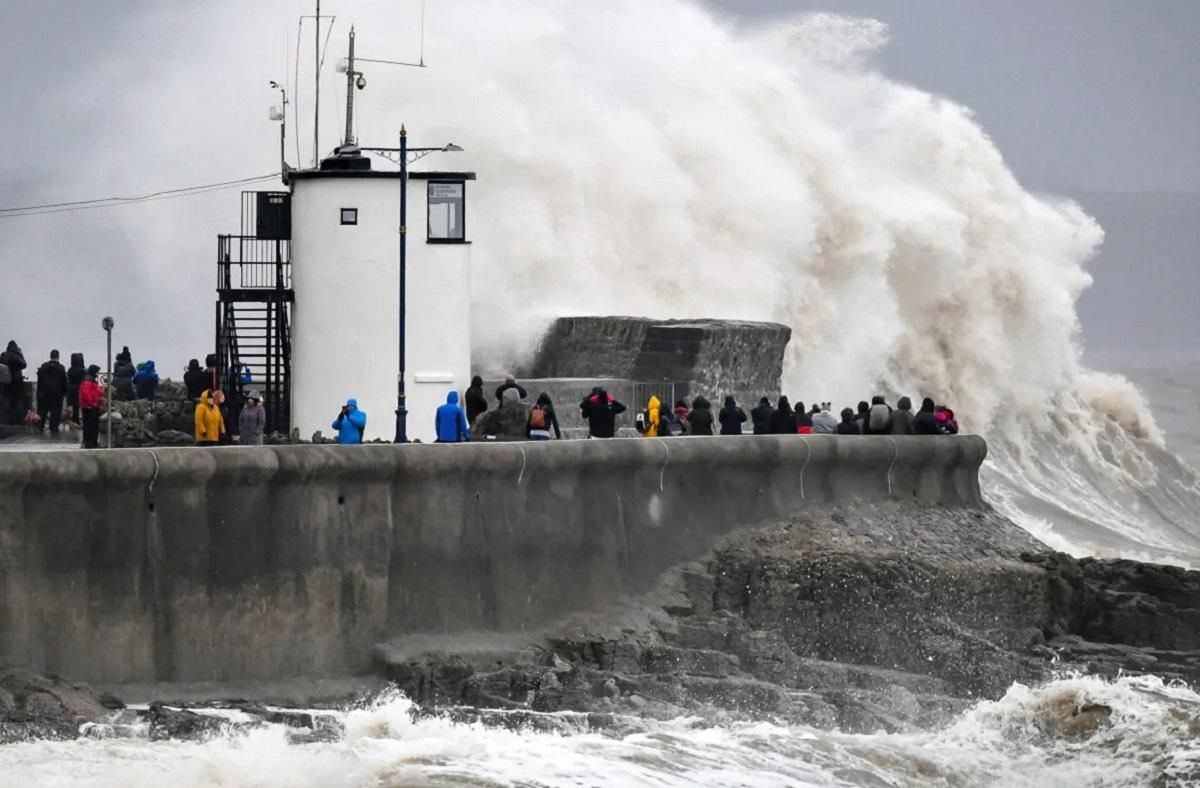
<point x="804" y="423"/>
<point x="731" y="417"/>
<point x="783" y="419"/>
<point x="13" y="394"/>
<point x="75" y="375"/>
<point x="600" y="411"/>
<point x="701" y="417"/>
<point x="51" y="390"/>
<point x="474" y="400"/>
<point x="925" y="422"/>
<point x="848" y="425"/>
<point x="761" y="416"/>
<point x="195" y="379"/>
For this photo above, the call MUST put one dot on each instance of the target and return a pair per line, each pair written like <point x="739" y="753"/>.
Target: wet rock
<point x="37" y="705"/>
<point x="171" y="723"/>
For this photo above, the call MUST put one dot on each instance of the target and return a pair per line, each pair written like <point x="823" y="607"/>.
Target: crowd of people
<point x="76" y="394"/>
<point x="600" y="410"/>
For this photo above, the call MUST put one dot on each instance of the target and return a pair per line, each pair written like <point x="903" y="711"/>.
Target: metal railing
<point x="245" y="262"/>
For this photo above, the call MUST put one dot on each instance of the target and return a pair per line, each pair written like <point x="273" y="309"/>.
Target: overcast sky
<point x="1098" y="100"/>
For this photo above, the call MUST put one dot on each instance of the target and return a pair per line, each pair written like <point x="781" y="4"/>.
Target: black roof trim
<point x="302" y="175"/>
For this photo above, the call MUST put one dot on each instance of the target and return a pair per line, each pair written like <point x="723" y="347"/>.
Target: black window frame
<point x="461" y="182"/>
<point x="342" y="217"/>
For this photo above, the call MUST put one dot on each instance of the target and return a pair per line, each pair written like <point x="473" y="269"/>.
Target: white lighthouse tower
<point x="356" y="284"/>
<point x="346" y="320"/>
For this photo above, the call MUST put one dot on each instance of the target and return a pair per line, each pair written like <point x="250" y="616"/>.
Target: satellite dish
<point x="343" y="65"/>
<point x="275" y="113"/>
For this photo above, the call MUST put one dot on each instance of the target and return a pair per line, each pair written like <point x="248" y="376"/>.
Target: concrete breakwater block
<point x="710" y="357"/>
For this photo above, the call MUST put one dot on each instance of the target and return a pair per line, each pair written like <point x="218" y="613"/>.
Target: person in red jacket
<point x="91" y="394"/>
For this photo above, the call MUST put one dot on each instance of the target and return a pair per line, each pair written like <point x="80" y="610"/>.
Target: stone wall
<point x="242" y="563"/>
<point x="168" y="420"/>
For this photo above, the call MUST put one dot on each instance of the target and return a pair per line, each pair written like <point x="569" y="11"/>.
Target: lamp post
<point x="401" y="407"/>
<point x="107" y="324"/>
<point x="401" y="156"/>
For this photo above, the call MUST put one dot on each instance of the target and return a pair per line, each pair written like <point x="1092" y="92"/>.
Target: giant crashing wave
<point x="658" y="159"/>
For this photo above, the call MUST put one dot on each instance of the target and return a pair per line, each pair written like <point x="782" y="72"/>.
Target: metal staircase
<point x="254" y="289"/>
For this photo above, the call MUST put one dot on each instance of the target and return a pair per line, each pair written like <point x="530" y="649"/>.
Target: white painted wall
<point x="345" y="324"/>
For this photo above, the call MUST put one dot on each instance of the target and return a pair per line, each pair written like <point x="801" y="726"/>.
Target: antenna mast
<point x="317" y="94"/>
<point x="350" y="75"/>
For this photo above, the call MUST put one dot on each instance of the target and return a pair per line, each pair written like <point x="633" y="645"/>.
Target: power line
<point x="111" y="202"/>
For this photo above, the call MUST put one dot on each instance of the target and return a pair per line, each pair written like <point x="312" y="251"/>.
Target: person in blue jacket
<point x="145" y="380"/>
<point x="351" y="423"/>
<point x="451" y="422"/>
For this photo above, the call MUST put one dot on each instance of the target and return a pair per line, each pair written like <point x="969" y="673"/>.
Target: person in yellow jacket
<point x="653" y="413"/>
<point x="210" y="424"/>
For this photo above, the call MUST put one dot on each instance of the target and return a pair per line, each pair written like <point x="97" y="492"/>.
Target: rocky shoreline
<point x="892" y="618"/>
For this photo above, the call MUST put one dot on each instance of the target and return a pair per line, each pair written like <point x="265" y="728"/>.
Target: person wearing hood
<point x="946" y="420"/>
<point x="761" y="417"/>
<point x="12" y="392"/>
<point x="879" y="418"/>
<point x="925" y="422"/>
<point x="701" y="417"/>
<point x="731" y="417"/>
<point x="252" y="421"/>
<point x="210" y="424"/>
<point x="864" y="410"/>
<point x="783" y="418"/>
<point x="650" y="420"/>
<point x="450" y="421"/>
<point x="600" y="410"/>
<point x="124" y="357"/>
<point x="145" y="380"/>
<point x="195" y="379"/>
<point x="75" y="375"/>
<point x="351" y="422"/>
<point x="902" y="418"/>
<point x="847" y="426"/>
<point x="122" y="383"/>
<point x="474" y="399"/>
<point x="509" y="383"/>
<point x="681" y="415"/>
<point x="824" y="422"/>
<point x="804" y="422"/>
<point x="542" y="419"/>
<point x="51" y="390"/>
<point x="91" y="395"/>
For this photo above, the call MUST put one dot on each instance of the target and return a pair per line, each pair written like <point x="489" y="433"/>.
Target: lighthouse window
<point x="447" y="212"/>
<point x="349" y="216"/>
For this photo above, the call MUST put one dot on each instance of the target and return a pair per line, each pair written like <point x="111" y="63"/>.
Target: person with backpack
<point x="600" y="411"/>
<point x="12" y="384"/>
<point x="902" y="418"/>
<point x="209" y="421"/>
<point x="51" y="390"/>
<point x="648" y="421"/>
<point x="75" y="375"/>
<point x="542" y="419"/>
<point x="731" y="417"/>
<point x="450" y="421"/>
<point x="761" y="417"/>
<point x="701" y="418"/>
<point x="351" y="423"/>
<point x="879" y="418"/>
<point x="804" y="422"/>
<point x="946" y="420"/>
<point x="91" y="395"/>
<point x="783" y="418"/>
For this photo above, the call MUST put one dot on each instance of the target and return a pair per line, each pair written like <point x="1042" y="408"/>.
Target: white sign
<point x="446" y="190"/>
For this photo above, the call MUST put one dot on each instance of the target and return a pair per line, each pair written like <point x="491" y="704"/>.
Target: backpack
<point x="642" y="421"/>
<point x="539" y="419"/>
<point x="879" y="418"/>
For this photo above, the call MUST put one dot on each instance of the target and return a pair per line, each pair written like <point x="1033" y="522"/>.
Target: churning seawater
<point x="1023" y="739"/>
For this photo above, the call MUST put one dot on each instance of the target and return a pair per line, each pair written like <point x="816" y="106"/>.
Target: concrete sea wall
<point x="232" y="563"/>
